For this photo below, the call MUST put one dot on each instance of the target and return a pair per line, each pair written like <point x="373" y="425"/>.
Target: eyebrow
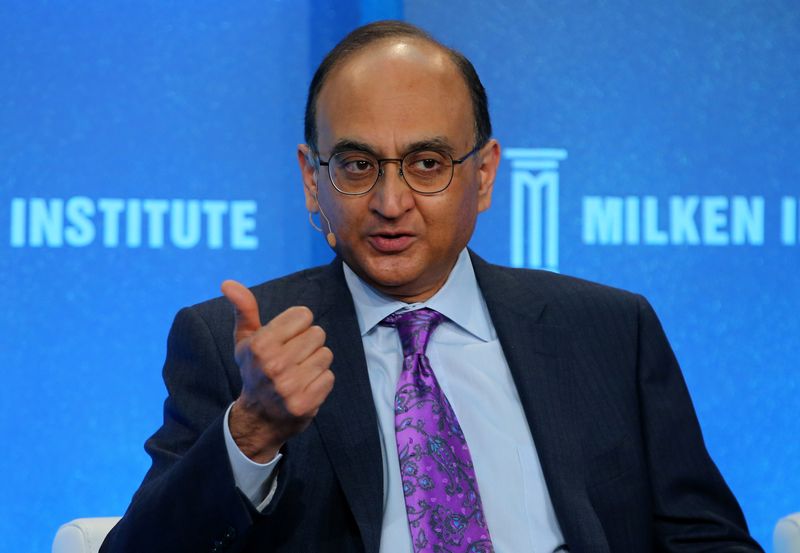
<point x="433" y="143"/>
<point x="349" y="144"/>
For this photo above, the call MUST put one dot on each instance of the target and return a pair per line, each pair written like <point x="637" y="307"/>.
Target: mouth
<point x="390" y="242"/>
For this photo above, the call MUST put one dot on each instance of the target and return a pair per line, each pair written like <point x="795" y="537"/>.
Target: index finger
<point x="290" y="323"/>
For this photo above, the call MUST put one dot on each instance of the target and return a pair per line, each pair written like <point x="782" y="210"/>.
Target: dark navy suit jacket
<point x="619" y="442"/>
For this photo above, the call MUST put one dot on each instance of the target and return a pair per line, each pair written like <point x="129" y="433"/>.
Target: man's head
<point x="363" y="37"/>
<point x="387" y="90"/>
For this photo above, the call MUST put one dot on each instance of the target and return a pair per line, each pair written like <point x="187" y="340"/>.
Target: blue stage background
<point x="669" y="133"/>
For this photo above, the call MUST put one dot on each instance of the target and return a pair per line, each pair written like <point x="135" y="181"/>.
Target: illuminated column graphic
<point x="789" y="232"/>
<point x="534" y="206"/>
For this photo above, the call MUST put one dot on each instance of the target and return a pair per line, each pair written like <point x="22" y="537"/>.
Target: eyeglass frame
<point x="400" y="161"/>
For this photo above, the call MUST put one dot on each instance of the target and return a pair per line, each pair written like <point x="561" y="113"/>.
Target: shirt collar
<point x="459" y="300"/>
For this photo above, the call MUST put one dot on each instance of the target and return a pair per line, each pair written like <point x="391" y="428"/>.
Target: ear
<point x="488" y="159"/>
<point x="309" y="171"/>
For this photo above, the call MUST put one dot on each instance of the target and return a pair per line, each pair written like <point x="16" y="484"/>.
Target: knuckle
<point x="301" y="313"/>
<point x="272" y="365"/>
<point x="329" y="380"/>
<point x="296" y="406"/>
<point x="259" y="347"/>
<point x="326" y="356"/>
<point x="260" y="338"/>
<point x="281" y="389"/>
<point x="317" y="333"/>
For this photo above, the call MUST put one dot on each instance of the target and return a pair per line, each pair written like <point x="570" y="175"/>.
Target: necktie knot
<point x="415" y="328"/>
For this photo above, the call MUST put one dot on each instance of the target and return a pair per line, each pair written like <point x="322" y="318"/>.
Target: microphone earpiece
<point x="330" y="237"/>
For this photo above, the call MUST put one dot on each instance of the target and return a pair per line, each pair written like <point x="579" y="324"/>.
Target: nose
<point x="391" y="196"/>
<point x="384" y="162"/>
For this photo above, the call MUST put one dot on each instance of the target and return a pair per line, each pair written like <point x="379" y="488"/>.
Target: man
<point x="475" y="408"/>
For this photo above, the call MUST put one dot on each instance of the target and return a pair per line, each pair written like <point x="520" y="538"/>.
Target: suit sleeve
<point x="188" y="500"/>
<point x="693" y="507"/>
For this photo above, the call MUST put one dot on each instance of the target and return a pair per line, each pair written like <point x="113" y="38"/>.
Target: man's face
<point x="391" y="97"/>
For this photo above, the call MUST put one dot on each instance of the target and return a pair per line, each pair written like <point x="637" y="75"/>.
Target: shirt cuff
<point x="253" y="479"/>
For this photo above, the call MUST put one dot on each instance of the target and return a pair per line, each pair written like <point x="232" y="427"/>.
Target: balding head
<point x="400" y="32"/>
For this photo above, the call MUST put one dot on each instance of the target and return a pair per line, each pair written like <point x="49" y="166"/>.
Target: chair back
<point x="786" y="538"/>
<point x="83" y="535"/>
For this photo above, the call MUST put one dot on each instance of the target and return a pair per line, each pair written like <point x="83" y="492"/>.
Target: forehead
<point x="392" y="93"/>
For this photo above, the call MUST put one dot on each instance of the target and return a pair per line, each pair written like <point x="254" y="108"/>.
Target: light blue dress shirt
<point x="470" y="366"/>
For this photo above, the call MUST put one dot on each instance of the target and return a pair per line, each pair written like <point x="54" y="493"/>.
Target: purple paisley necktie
<point x="443" y="505"/>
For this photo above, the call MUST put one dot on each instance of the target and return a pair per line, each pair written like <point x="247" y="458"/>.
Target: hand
<point x="285" y="370"/>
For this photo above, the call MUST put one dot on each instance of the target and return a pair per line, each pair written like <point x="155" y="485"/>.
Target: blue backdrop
<point x="147" y="153"/>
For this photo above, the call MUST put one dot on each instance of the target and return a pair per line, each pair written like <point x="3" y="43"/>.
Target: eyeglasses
<point x="427" y="171"/>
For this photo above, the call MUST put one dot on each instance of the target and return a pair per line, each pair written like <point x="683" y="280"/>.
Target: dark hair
<point x="366" y="35"/>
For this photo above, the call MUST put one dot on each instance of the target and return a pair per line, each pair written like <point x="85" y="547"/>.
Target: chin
<point x="391" y="281"/>
<point x="392" y="274"/>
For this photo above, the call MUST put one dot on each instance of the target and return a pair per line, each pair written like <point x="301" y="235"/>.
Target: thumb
<point x="245" y="309"/>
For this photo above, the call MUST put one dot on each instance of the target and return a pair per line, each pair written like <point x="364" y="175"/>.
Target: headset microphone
<point x="330" y="237"/>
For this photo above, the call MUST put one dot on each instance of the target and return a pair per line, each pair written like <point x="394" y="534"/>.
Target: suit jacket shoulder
<point x="610" y="413"/>
<point x="529" y="289"/>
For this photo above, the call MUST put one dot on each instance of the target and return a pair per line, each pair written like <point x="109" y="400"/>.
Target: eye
<point x="358" y="165"/>
<point x="354" y="164"/>
<point x="427" y="162"/>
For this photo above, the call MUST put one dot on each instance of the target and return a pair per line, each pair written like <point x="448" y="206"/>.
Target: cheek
<point x="344" y="213"/>
<point x="466" y="208"/>
<point x="452" y="224"/>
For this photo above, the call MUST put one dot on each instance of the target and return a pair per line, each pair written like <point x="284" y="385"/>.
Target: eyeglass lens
<point x="425" y="171"/>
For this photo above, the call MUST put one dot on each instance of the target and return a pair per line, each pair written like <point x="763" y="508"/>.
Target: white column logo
<point x="534" y="206"/>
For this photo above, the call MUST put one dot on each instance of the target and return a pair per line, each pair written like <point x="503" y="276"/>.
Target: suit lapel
<point x="347" y="421"/>
<point x="539" y="356"/>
